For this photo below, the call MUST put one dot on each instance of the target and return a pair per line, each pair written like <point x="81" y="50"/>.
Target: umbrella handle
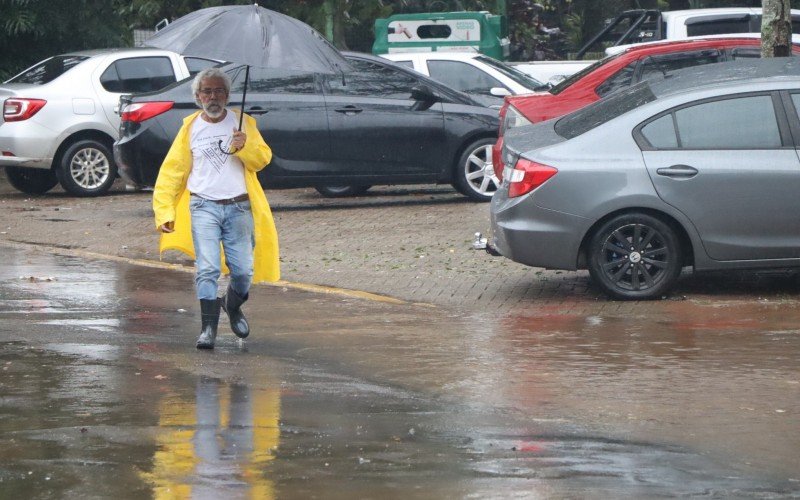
<point x="241" y="114"/>
<point x="219" y="145"/>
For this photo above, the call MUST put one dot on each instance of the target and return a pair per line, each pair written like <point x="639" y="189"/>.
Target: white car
<point x="486" y="79"/>
<point x="60" y="116"/>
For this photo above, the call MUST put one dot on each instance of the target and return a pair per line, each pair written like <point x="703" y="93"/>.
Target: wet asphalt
<point x="335" y="396"/>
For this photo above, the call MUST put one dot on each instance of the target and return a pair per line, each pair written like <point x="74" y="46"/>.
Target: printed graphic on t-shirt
<point x="211" y="147"/>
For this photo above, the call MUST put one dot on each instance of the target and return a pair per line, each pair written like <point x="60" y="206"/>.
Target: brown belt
<point x="228" y="201"/>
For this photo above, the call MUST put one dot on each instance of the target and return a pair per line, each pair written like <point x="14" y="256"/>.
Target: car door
<point x="377" y="130"/>
<point x="290" y="111"/>
<point x="732" y="170"/>
<point x="131" y="75"/>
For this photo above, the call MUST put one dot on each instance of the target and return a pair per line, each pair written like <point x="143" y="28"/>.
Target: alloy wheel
<point x="89" y="168"/>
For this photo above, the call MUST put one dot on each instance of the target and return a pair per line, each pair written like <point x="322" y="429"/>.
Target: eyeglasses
<point x="215" y="92"/>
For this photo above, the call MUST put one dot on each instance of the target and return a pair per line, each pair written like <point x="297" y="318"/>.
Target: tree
<point x="31" y="30"/>
<point x="776" y="29"/>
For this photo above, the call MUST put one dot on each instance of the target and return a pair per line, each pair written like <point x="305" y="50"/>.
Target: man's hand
<point x="239" y="138"/>
<point x="167" y="227"/>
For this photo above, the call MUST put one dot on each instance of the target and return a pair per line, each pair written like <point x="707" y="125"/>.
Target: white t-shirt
<point x="215" y="175"/>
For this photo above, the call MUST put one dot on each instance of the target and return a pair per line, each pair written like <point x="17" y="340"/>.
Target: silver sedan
<point x="666" y="174"/>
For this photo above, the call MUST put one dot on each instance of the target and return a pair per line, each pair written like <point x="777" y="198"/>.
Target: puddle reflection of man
<point x="219" y="449"/>
<point x="206" y="196"/>
<point x="217" y="443"/>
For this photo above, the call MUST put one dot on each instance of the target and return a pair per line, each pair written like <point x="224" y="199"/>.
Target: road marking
<point x="309" y="287"/>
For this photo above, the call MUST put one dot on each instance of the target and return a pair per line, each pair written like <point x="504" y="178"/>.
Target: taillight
<point x="18" y="109"/>
<point x="497" y="158"/>
<point x="141" y="111"/>
<point x="512" y="118"/>
<point x="526" y="176"/>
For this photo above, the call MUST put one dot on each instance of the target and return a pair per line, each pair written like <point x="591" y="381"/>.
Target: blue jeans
<point x="231" y="225"/>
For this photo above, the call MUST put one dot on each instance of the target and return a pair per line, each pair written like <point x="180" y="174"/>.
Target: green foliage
<point x="31" y="30"/>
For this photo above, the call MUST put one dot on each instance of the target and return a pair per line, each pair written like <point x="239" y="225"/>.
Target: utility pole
<point x="776" y="28"/>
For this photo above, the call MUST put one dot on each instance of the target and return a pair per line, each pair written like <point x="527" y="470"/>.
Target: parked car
<point x="485" y="79"/>
<point x="60" y="115"/>
<point x="551" y="72"/>
<point x="379" y="124"/>
<point x="617" y="72"/>
<point x="699" y="168"/>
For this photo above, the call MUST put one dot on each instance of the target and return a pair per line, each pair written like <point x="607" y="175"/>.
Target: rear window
<point x="511" y="72"/>
<point x="742" y="24"/>
<point x="599" y="112"/>
<point x="138" y="74"/>
<point x="565" y="83"/>
<point x="47" y="70"/>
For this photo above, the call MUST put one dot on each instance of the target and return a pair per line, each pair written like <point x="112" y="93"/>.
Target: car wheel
<point x="635" y="256"/>
<point x="31" y="180"/>
<point x="475" y="177"/>
<point x="87" y="168"/>
<point x="341" y="191"/>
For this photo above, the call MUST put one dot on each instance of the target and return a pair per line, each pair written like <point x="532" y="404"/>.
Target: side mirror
<point x="423" y="93"/>
<point x="499" y="91"/>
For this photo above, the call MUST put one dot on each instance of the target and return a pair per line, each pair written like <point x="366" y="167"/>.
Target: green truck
<point x="443" y="31"/>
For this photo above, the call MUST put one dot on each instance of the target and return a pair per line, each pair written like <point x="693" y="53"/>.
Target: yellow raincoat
<point x="171" y="199"/>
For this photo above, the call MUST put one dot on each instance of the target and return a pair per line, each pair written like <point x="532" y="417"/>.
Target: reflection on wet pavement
<point x="216" y="443"/>
<point x="104" y="395"/>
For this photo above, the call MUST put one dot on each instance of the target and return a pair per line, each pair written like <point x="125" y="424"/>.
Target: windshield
<point x="566" y="82"/>
<point x="599" y="112"/>
<point x="511" y="72"/>
<point x="47" y="70"/>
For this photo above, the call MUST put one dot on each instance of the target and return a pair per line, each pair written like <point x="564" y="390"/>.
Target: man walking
<point x="207" y="194"/>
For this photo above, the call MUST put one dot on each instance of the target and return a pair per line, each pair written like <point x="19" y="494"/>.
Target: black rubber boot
<point x="209" y="316"/>
<point x="232" y="303"/>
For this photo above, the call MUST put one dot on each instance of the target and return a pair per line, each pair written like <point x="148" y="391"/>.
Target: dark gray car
<point x="658" y="177"/>
<point x="375" y="125"/>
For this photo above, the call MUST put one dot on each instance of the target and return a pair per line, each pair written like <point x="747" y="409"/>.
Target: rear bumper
<point x="534" y="236"/>
<point x="19" y="162"/>
<point x="26" y="145"/>
<point x="139" y="156"/>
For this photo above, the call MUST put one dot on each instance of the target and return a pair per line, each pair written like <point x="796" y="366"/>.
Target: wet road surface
<point x="104" y="395"/>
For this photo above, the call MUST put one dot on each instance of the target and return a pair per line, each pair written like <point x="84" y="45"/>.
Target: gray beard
<point x="214" y="114"/>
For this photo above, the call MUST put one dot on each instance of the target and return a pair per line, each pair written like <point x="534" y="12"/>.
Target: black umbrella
<point x="252" y="36"/>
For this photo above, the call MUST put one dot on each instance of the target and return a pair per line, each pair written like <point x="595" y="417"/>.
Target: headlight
<point x="513" y="119"/>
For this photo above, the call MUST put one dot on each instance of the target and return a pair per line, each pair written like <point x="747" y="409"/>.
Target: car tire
<point x="474" y="175"/>
<point x="341" y="191"/>
<point x="31" y="180"/>
<point x="87" y="168"/>
<point x="635" y="257"/>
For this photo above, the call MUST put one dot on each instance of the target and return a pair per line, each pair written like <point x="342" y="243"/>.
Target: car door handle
<point x="349" y="110"/>
<point x="684" y="171"/>
<point x="257" y="110"/>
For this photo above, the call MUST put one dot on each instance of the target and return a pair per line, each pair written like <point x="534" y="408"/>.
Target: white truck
<point x="638" y="26"/>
